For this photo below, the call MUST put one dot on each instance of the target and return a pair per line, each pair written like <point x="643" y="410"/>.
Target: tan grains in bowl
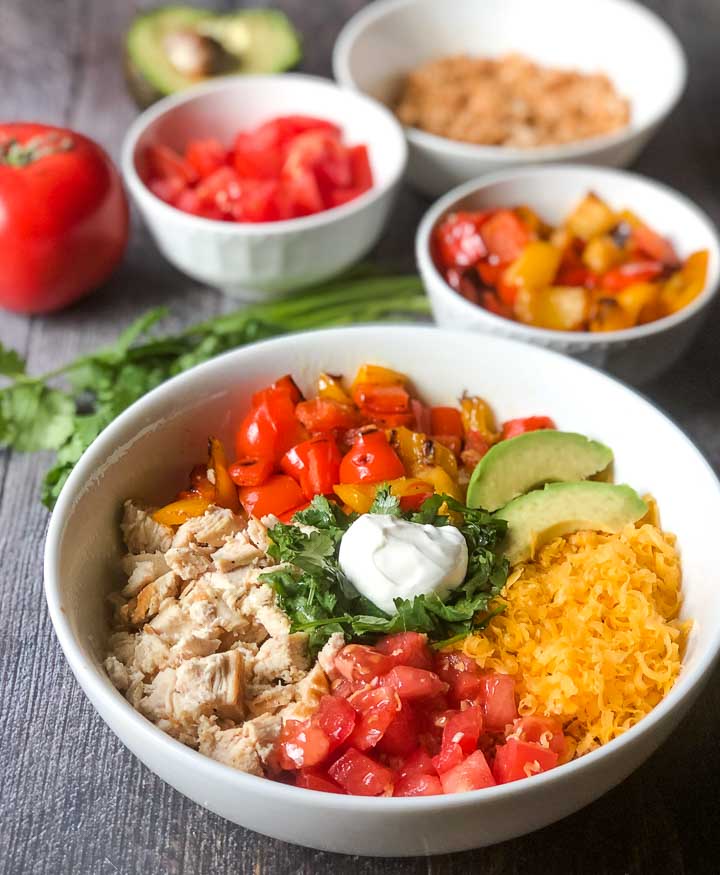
<point x="509" y="101"/>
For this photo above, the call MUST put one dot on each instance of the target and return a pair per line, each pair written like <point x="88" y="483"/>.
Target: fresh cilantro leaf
<point x="385" y="502"/>
<point x="11" y="362"/>
<point x="33" y="417"/>
<point x="326" y="515"/>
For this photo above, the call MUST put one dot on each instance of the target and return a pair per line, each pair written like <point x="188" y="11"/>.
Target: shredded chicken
<point x="200" y="645"/>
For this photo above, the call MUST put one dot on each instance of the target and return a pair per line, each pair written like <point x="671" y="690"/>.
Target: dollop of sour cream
<point x="387" y="558"/>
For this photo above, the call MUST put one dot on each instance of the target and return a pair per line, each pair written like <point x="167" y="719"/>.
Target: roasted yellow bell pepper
<point x="640" y="301"/>
<point x="608" y="315"/>
<point x="360" y="496"/>
<point x="439" y="479"/>
<point x="684" y="286"/>
<point x="559" y="308"/>
<point x="535" y="267"/>
<point x="377" y="374"/>
<point x="602" y="253"/>
<point x="592" y="216"/>
<point x="330" y="387"/>
<point x="477" y="416"/>
<point x="178" y="512"/>
<point x="416" y="449"/>
<point x="226" y="494"/>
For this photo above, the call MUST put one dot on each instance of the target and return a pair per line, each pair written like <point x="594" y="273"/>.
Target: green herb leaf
<point x="385" y="502"/>
<point x="11" y="362"/>
<point x="33" y="417"/>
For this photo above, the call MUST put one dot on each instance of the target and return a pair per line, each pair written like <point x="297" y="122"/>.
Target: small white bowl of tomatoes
<point x="607" y="266"/>
<point x="261" y="185"/>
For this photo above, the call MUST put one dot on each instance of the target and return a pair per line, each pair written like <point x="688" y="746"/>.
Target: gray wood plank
<point x="72" y="799"/>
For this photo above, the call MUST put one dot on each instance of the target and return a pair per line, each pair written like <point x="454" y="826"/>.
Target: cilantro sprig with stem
<point x="66" y="409"/>
<point x="319" y="599"/>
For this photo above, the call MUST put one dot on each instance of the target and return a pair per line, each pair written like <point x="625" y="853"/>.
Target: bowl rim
<point x="106" y="699"/>
<point x="475" y="151"/>
<point x="432" y="276"/>
<point x="142" y="193"/>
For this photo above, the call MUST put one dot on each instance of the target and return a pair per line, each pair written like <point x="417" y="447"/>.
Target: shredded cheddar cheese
<point x="591" y="631"/>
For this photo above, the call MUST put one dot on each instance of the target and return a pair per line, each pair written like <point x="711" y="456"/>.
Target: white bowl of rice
<point x="483" y="86"/>
<point x="151" y="446"/>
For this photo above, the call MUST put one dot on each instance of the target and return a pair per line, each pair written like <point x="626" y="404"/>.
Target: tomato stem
<point x="13" y="153"/>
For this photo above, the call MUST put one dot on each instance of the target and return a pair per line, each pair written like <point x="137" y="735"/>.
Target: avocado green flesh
<point x="515" y="466"/>
<point x="562" y="508"/>
<point x="262" y="40"/>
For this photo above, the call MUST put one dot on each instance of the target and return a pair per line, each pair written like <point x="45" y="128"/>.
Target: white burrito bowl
<point x="147" y="452"/>
<point x="259" y="260"/>
<point x="632" y="45"/>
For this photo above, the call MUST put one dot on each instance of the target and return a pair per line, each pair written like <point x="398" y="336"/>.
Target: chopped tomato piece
<point x="358" y="662"/>
<point x="221" y="189"/>
<point x="303" y="192"/>
<point x="521" y="759"/>
<point x="321" y="155"/>
<point x="345" y="688"/>
<point x="490" y="270"/>
<point x="170" y="189"/>
<point x="361" y="172"/>
<point x="463" y="728"/>
<point x="418" y="785"/>
<point x="302" y="744"/>
<point x="325" y="414"/>
<point x="497" y="700"/>
<point x="419" y="762"/>
<point x="287" y="516"/>
<point x="472" y="774"/>
<point x="361" y="776"/>
<point x="311" y="779"/>
<point x="377" y="707"/>
<point x="278" y="494"/>
<point x="654" y="245"/>
<point x="371" y="460"/>
<point x="505" y="235"/>
<point x="251" y="471"/>
<point x="463" y="675"/>
<point x="514" y="427"/>
<point x="336" y="717"/>
<point x="457" y="239"/>
<point x="400" y="737"/>
<point x="540" y="730"/>
<point x="165" y="163"/>
<point x="407" y="648"/>
<point x="413" y="683"/>
<point x="450" y="755"/>
<point x="337" y="197"/>
<point x="625" y="275"/>
<point x="205" y="156"/>
<point x="315" y="464"/>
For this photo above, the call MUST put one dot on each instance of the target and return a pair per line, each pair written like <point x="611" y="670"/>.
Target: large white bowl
<point x="254" y="261"/>
<point x="637" y="354"/>
<point x="148" y="450"/>
<point x="639" y="52"/>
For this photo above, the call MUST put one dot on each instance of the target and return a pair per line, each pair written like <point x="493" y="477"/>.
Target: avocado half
<point x="517" y="465"/>
<point x="563" y="508"/>
<point x="174" y="47"/>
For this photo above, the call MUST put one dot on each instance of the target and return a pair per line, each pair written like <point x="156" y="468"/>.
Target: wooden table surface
<point x="72" y="799"/>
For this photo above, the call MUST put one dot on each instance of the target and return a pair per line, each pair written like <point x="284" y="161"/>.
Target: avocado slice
<point x="561" y="508"/>
<point x="522" y="463"/>
<point x="173" y="47"/>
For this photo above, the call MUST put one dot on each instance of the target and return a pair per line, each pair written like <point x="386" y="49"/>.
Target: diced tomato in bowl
<point x="286" y="168"/>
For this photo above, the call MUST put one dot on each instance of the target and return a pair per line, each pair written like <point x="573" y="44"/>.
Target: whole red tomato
<point x="63" y="217"/>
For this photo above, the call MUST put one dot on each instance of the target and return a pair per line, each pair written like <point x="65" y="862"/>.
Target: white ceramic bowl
<point x="256" y="261"/>
<point x="148" y="450"/>
<point x="637" y="354"/>
<point x="645" y="61"/>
